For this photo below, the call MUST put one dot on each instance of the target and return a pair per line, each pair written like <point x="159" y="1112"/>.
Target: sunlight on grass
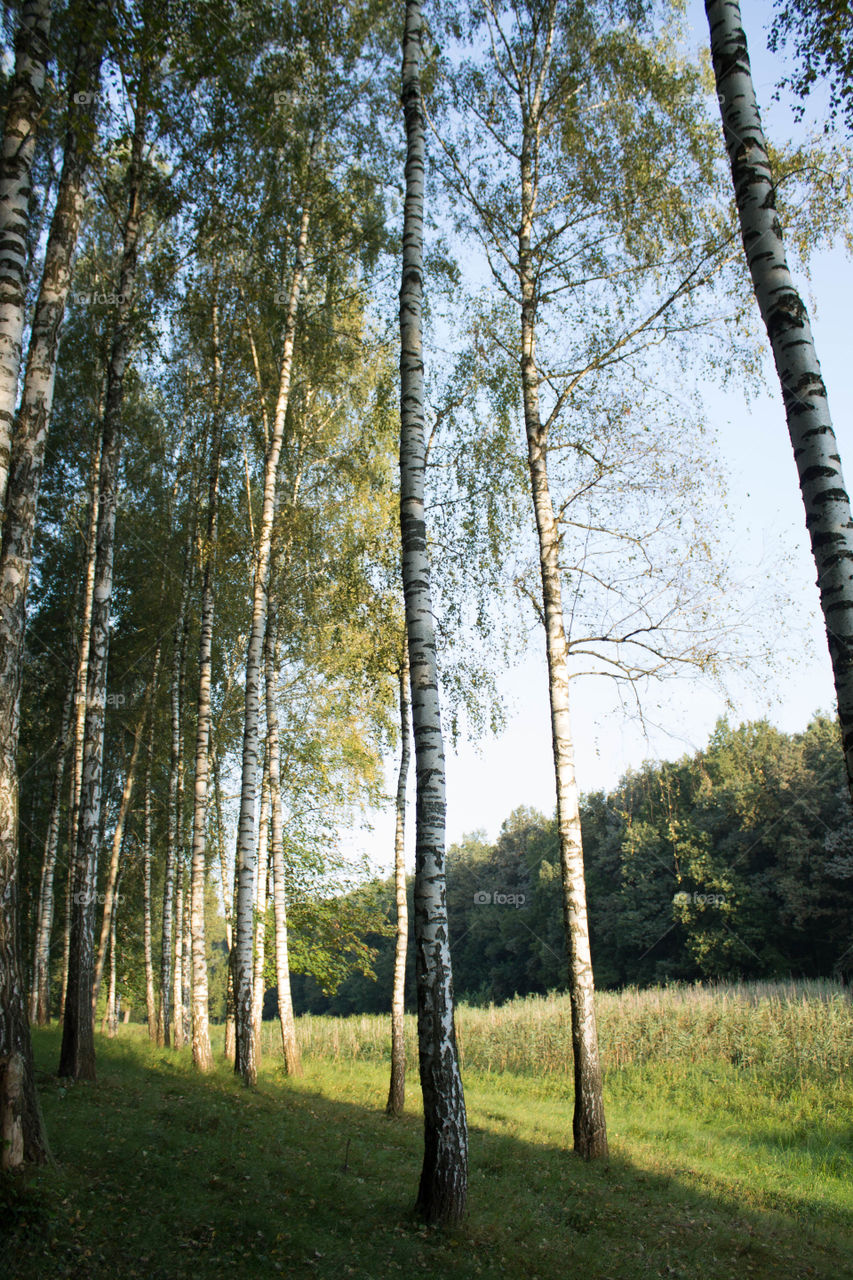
<point x="719" y="1167"/>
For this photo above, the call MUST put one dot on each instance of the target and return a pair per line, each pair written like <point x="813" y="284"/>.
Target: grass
<point x="721" y="1165"/>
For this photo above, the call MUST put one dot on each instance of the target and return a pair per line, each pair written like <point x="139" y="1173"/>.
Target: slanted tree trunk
<point x="19" y="142"/>
<point x="589" y="1128"/>
<point x="40" y="989"/>
<point x="443" y="1190"/>
<point x="287" y="1022"/>
<point x="244" y="1060"/>
<point x="113" y="870"/>
<point x="397" y="1087"/>
<point x="784" y="313"/>
<point x="77" y="1057"/>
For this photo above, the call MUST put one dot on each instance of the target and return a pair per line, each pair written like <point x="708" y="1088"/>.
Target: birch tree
<point x="77" y="1058"/>
<point x="202" y="1055"/>
<point x="244" y="1062"/>
<point x="397" y="1086"/>
<point x="786" y="319"/>
<point x="443" y="1189"/>
<point x="19" y="141"/>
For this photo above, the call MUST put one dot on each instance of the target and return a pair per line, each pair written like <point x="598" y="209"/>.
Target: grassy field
<point x="730" y="1114"/>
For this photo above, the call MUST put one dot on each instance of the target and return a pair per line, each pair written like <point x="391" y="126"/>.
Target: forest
<point x="347" y="351"/>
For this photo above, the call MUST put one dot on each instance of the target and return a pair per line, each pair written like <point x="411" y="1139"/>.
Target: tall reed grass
<point x="787" y="1030"/>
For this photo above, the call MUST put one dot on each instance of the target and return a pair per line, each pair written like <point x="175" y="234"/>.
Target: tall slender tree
<point x="397" y="1086"/>
<point x="784" y="313"/>
<point x="443" y="1190"/>
<point x="16" y="161"/>
<point x="77" y="1057"/>
<point x="244" y="1062"/>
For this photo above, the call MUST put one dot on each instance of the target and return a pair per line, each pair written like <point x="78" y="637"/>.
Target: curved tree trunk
<point x="397" y="1087"/>
<point x="244" y="1060"/>
<point x="19" y="142"/>
<point x="443" y="1190"/>
<point x="784" y="313"/>
<point x="77" y="1057"/>
<point x="589" y="1128"/>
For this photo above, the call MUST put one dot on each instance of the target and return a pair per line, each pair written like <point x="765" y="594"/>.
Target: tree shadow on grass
<point x="162" y="1174"/>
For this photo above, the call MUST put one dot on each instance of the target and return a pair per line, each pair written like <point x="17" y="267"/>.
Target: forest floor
<point x="714" y="1171"/>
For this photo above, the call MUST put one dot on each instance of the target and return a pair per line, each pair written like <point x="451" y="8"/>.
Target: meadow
<point x="730" y="1115"/>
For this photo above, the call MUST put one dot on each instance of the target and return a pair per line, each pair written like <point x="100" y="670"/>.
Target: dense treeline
<point x="735" y="862"/>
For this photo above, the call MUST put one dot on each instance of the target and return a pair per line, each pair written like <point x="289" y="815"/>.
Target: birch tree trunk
<point x="178" y="971"/>
<point x="287" y="1022"/>
<point x="176" y="755"/>
<point x="261" y="910"/>
<point x="40" y="990"/>
<point x="784" y="313"/>
<point x="588" y="1126"/>
<point x="80" y="707"/>
<point x="443" y="1190"/>
<point x="202" y="1054"/>
<point x="150" y="998"/>
<point x="77" y="1057"/>
<point x="244" y="1059"/>
<point x="397" y="1087"/>
<point x="19" y="141"/>
<point x="115" y="859"/>
<point x="20" y="500"/>
<point x="186" y="968"/>
<point x="110" y="1021"/>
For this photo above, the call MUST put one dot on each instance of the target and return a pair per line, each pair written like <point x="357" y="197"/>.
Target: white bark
<point x="77" y="1058"/>
<point x="111" y="887"/>
<point x="150" y="997"/>
<point x="40" y="990"/>
<point x="287" y="1022"/>
<point x="261" y="910"/>
<point x="176" y="698"/>
<point x="244" y="1061"/>
<point x="397" y="1086"/>
<point x="443" y="1187"/>
<point x="202" y="1054"/>
<point x="177" y="968"/>
<point x="589" y="1127"/>
<point x="19" y="141"/>
<point x="783" y="311"/>
<point x="80" y="705"/>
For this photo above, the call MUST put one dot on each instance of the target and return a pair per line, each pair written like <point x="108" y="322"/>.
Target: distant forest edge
<point x="736" y="862"/>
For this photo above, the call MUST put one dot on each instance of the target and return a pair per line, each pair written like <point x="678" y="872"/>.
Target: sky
<point x="487" y="780"/>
